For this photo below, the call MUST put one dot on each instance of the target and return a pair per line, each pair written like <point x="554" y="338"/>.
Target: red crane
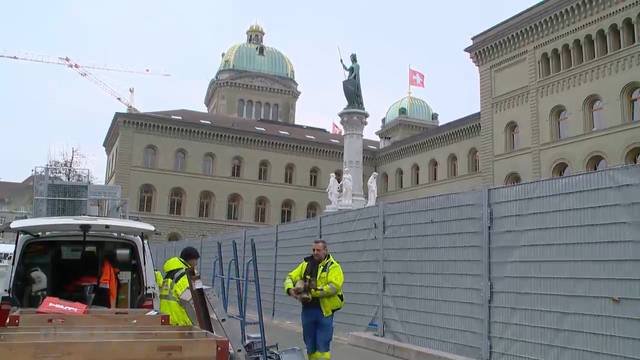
<point x="83" y="70"/>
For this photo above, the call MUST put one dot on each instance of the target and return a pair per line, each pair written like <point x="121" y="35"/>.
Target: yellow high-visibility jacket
<point x="174" y="289"/>
<point x="329" y="284"/>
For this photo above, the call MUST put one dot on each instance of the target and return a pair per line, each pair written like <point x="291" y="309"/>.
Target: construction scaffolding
<point x="69" y="192"/>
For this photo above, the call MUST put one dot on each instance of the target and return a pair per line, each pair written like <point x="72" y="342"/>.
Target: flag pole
<point x="409" y="91"/>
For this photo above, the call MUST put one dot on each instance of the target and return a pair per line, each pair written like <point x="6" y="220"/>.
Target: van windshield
<point x="96" y="273"/>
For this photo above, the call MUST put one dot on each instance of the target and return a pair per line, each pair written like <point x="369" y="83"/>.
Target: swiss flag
<point x="416" y="78"/>
<point x="335" y="129"/>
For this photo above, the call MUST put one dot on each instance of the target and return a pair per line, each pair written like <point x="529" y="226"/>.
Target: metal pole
<point x="256" y="278"/>
<point x="244" y="248"/>
<point x="275" y="270"/>
<point x="486" y="275"/>
<point x="223" y="286"/>
<point x="380" y="235"/>
<point x="239" y="292"/>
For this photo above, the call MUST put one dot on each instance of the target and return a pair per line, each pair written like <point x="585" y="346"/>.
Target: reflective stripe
<point x="331" y="289"/>
<point x="178" y="275"/>
<point x="168" y="298"/>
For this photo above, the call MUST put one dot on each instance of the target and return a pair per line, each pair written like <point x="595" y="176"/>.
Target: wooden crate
<point x="112" y="343"/>
<point x="94" y="317"/>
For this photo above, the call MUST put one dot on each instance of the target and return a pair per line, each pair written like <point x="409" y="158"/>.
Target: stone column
<point x="353" y="122"/>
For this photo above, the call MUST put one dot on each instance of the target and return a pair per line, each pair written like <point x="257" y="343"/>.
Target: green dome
<point x="250" y="57"/>
<point x="411" y="107"/>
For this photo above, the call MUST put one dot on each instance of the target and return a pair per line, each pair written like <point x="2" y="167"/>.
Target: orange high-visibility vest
<point x="109" y="280"/>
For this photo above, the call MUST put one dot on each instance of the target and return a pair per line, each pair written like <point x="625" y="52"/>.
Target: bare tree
<point x="68" y="166"/>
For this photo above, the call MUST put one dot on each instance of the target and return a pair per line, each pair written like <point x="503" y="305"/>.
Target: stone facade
<point x="542" y="72"/>
<point x="559" y="94"/>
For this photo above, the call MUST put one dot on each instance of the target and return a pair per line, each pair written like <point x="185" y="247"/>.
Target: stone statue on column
<point x="372" y="187"/>
<point x="333" y="193"/>
<point x="347" y="189"/>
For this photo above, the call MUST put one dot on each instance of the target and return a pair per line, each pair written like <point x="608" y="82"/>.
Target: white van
<point x="66" y="257"/>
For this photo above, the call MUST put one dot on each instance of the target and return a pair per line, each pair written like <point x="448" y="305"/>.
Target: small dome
<point x="254" y="56"/>
<point x="410" y="107"/>
<point x="255" y="28"/>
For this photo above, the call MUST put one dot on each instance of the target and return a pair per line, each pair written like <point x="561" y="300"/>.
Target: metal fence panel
<point x="433" y="272"/>
<point x="294" y="244"/>
<point x="351" y="239"/>
<point x="265" y="240"/>
<point x="563" y="257"/>
<point x="565" y="268"/>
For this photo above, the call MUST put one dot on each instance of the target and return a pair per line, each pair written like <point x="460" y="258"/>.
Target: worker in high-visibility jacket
<point x="317" y="283"/>
<point x="175" y="295"/>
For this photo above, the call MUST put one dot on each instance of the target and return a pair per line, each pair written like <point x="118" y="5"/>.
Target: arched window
<point x="146" y="198"/>
<point x="286" y="211"/>
<point x="314" y="174"/>
<point x="474" y="161"/>
<point x="263" y="170"/>
<point x="555" y="61"/>
<point x="560" y="169"/>
<point x="267" y="111"/>
<point x="240" y="108"/>
<point x="312" y="210"/>
<point x="234" y="205"/>
<point x="452" y="166"/>
<point x="236" y="167"/>
<point x="628" y="32"/>
<point x="174" y="236"/>
<point x="207" y="164"/>
<point x="567" y="62"/>
<point x="601" y="43"/>
<point x="589" y="48"/>
<point x="399" y="175"/>
<point x="633" y="156"/>
<point x="274" y="113"/>
<point x="249" y="110"/>
<point x="512" y="132"/>
<point x="512" y="179"/>
<point x="385" y="183"/>
<point x="288" y="173"/>
<point x="262" y="206"/>
<point x="149" y="157"/>
<point x="180" y="162"/>
<point x="258" y="112"/>
<point x="559" y="123"/>
<point x="205" y="204"/>
<point x="631" y="101"/>
<point x="415" y="175"/>
<point x="578" y="52"/>
<point x="545" y="65"/>
<point x="433" y="170"/>
<point x="614" y="34"/>
<point x="596" y="163"/>
<point x="176" y="201"/>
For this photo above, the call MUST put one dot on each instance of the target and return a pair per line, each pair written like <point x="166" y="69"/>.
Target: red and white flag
<point x="416" y="78"/>
<point x="335" y="129"/>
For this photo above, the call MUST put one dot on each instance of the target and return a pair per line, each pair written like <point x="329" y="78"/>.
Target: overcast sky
<point x="46" y="108"/>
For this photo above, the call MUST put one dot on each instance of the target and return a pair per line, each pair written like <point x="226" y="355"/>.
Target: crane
<point x="83" y="71"/>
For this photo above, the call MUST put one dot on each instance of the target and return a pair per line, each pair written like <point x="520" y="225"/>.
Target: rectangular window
<point x="262" y="173"/>
<point x="203" y="212"/>
<point x="261" y="214"/>
<point x="233" y="211"/>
